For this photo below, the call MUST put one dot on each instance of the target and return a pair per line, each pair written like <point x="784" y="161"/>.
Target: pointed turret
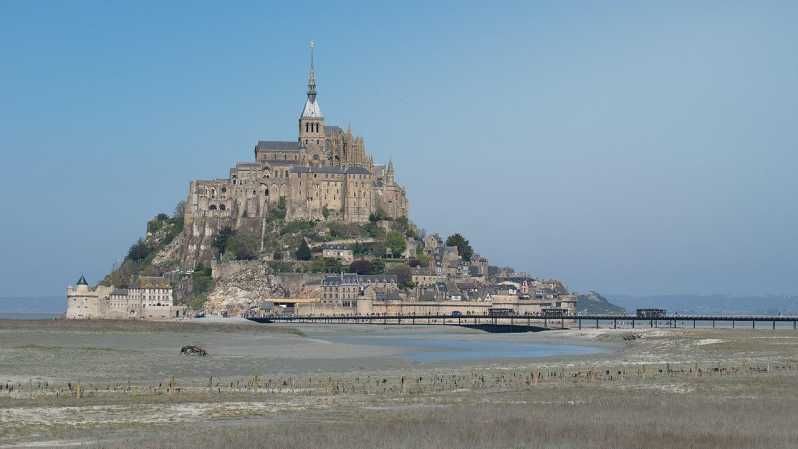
<point x="82" y="280"/>
<point x="389" y="173"/>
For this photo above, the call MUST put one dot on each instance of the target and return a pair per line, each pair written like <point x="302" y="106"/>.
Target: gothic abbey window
<point x="222" y="207"/>
<point x="213" y="207"/>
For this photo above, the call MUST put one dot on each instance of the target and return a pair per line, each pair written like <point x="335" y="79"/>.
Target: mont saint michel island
<point x="311" y="227"/>
<point x="432" y="226"/>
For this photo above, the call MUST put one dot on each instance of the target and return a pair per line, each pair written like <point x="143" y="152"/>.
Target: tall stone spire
<point x="311" y="106"/>
<point x="312" y="75"/>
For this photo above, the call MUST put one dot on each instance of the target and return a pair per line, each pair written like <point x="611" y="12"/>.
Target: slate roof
<point x="277" y="145"/>
<point x="355" y="279"/>
<point x="391" y="295"/>
<point x="82" y="280"/>
<point x="382" y="278"/>
<point x="354" y="170"/>
<point x="340" y="279"/>
<point x="279" y="162"/>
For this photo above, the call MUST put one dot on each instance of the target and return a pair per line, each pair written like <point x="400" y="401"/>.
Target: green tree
<point x="361" y="266"/>
<point x="303" y="252"/>
<point x="378" y="249"/>
<point x="403" y="276"/>
<point x="326" y="265"/>
<point x="278" y="213"/>
<point x="463" y="247"/>
<point x="242" y="246"/>
<point x="139" y="251"/>
<point x="377" y="266"/>
<point x="201" y="284"/>
<point x="421" y="257"/>
<point x="396" y="242"/>
<point x="220" y="241"/>
<point x="360" y="249"/>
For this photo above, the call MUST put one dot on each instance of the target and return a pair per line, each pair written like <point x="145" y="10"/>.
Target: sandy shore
<point x="124" y="385"/>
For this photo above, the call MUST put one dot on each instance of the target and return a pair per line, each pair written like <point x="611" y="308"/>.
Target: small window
<point x="222" y="207"/>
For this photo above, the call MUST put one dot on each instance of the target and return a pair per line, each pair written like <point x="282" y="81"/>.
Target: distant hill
<point x="720" y="304"/>
<point x="593" y="302"/>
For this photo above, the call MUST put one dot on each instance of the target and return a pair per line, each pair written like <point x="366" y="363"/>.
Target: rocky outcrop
<point x="240" y="285"/>
<point x="171" y="253"/>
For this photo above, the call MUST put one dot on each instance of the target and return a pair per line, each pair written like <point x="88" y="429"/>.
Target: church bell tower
<point x="311" y="122"/>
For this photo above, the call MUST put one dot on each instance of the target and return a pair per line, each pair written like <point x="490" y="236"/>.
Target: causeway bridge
<point x="533" y="323"/>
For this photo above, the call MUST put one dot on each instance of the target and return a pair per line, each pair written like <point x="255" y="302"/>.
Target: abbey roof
<point x="355" y="170"/>
<point x="280" y="145"/>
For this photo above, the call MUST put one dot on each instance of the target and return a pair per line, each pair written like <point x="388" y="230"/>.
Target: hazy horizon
<point x="648" y="148"/>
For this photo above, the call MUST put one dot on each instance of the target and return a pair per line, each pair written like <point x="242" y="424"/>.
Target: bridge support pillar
<point x="693" y="324"/>
<point x="774" y="325"/>
<point x="614" y="323"/>
<point x="732" y="324"/>
<point x="580" y="323"/>
<point x="633" y="323"/>
<point x="753" y="324"/>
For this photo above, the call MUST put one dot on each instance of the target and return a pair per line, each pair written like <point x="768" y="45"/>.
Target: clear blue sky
<point x="627" y="147"/>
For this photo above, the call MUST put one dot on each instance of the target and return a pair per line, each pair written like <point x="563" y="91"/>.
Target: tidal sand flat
<point x="125" y="385"/>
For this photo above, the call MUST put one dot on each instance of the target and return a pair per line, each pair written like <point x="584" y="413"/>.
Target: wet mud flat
<point x="326" y="387"/>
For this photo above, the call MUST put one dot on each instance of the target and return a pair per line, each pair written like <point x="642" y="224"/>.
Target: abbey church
<point x="325" y="174"/>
